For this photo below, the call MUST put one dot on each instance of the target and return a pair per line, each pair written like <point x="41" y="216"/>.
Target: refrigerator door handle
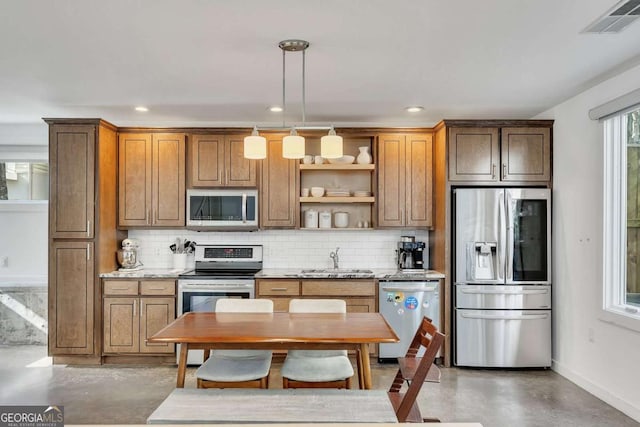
<point x="507" y="317"/>
<point x="510" y="238"/>
<point x="521" y="292"/>
<point x="501" y="236"/>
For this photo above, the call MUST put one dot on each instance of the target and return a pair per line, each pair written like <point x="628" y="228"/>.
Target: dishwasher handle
<point x="408" y="288"/>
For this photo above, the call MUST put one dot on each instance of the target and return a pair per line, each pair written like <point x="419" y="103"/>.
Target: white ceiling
<point x="217" y="63"/>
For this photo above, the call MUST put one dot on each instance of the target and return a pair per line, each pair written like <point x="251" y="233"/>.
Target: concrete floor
<point x="128" y="394"/>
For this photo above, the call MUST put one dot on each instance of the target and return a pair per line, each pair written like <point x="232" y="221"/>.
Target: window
<point x="622" y="214"/>
<point x="24" y="181"/>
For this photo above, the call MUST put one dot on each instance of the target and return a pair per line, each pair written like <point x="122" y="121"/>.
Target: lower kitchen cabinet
<point x="360" y="295"/>
<point x="134" y="311"/>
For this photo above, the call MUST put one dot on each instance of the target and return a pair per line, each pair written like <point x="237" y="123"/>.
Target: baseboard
<point x="602" y="394"/>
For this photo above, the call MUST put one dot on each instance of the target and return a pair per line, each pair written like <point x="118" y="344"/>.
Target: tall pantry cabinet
<point x="82" y="233"/>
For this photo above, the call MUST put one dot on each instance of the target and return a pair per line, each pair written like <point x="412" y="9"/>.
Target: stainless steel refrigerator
<point x="502" y="277"/>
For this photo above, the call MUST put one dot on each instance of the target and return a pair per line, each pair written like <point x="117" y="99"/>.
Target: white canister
<point x="311" y="218"/>
<point x="324" y="219"/>
<point x="341" y="219"/>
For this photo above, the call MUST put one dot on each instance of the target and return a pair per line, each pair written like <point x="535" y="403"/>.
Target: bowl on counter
<point x="317" y="191"/>
<point x="344" y="160"/>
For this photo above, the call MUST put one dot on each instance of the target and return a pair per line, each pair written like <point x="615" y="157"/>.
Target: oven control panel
<point x="228" y="253"/>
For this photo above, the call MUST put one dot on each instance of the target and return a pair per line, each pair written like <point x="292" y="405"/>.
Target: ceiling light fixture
<point x="275" y="109"/>
<point x="414" y="109"/>
<point x="142" y="109"/>
<point x="293" y="145"/>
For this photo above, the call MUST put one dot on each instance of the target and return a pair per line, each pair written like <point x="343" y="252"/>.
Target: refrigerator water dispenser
<point x="482" y="260"/>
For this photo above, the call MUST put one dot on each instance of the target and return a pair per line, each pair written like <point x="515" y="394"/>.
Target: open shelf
<point x="327" y="199"/>
<point x="334" y="167"/>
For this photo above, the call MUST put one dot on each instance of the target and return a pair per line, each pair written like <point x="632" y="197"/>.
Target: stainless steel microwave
<point x="232" y="209"/>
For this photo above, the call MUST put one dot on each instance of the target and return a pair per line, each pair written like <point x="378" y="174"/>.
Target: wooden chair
<point x="237" y="368"/>
<point x="317" y="368"/>
<point x="415" y="370"/>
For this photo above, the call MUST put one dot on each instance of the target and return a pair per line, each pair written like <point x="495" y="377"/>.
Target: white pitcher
<point x="364" y="158"/>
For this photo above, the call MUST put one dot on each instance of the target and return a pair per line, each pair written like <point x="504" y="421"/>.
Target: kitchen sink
<point x="337" y="273"/>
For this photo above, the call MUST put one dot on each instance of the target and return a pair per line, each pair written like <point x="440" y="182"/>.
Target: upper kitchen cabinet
<point x="493" y="154"/>
<point x="151" y="171"/>
<point x="72" y="164"/>
<point x="278" y="187"/>
<point x="404" y="180"/>
<point x="218" y="161"/>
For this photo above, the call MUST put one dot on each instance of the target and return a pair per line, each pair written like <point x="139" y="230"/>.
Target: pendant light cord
<point x="304" y="103"/>
<point x="284" y="105"/>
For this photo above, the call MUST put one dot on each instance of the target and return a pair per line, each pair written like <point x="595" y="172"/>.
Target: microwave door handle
<point x="244" y="207"/>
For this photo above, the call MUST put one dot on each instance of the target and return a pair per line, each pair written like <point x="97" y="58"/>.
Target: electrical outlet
<point x="591" y="335"/>
<point x="156" y="251"/>
<point x="4" y="262"/>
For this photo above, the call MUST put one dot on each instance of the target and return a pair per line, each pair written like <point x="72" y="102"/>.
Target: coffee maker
<point x="410" y="254"/>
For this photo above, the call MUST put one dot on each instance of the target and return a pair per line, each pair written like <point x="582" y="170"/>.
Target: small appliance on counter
<point x="410" y="254"/>
<point x="128" y="256"/>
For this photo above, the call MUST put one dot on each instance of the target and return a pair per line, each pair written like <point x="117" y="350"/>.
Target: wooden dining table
<point x="278" y="331"/>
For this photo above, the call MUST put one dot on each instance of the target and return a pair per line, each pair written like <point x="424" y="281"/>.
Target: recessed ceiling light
<point x="415" y="109"/>
<point x="275" y="109"/>
<point x="142" y="109"/>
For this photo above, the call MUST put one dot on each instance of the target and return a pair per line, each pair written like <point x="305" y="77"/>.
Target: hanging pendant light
<point x="331" y="145"/>
<point x="293" y="146"/>
<point x="255" y="146"/>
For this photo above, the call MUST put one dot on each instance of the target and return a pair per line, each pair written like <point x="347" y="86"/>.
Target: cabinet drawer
<point x="279" y="287"/>
<point x="338" y="287"/>
<point x="121" y="287"/>
<point x="158" y="287"/>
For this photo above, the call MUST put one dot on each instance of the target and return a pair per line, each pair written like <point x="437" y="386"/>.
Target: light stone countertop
<point x="146" y="273"/>
<point x="377" y="273"/>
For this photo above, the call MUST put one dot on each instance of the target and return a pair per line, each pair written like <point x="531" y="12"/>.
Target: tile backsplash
<point x="287" y="248"/>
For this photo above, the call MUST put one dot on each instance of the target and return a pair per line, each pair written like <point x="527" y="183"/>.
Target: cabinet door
<point x="361" y="305"/>
<point x="240" y="172"/>
<point x="473" y="154"/>
<point x="72" y="162"/>
<point x="121" y="325"/>
<point x="279" y="188"/>
<point x="418" y="178"/>
<point x="206" y="158"/>
<point x="526" y="154"/>
<point x="391" y="180"/>
<point x="168" y="183"/>
<point x="134" y="179"/>
<point x="71" y="298"/>
<point x="155" y="314"/>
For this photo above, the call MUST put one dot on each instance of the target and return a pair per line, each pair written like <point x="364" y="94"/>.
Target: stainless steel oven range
<point x="222" y="271"/>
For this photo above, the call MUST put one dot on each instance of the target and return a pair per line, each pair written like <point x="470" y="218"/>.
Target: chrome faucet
<point x="334" y="257"/>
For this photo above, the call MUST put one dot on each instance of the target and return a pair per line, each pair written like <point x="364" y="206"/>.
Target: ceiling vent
<point x="617" y="18"/>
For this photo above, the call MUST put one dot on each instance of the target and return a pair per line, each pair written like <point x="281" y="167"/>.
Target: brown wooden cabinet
<point x="151" y="180"/>
<point x="134" y="311"/>
<point x="278" y="187"/>
<point x="404" y="180"/>
<point x="218" y="161"/>
<point x="71" y="301"/>
<point x="83" y="237"/>
<point x="492" y="154"/>
<point x="72" y="171"/>
<point x="360" y="295"/>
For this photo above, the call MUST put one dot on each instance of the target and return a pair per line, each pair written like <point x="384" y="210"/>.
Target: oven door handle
<point x="244" y="208"/>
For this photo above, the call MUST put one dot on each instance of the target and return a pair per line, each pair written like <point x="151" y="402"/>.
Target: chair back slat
<point x="428" y="336"/>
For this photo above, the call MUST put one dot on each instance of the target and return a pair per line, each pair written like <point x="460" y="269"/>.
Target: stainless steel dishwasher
<point x="403" y="304"/>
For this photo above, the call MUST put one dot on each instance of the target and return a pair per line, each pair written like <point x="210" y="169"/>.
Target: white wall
<point x="23" y="227"/>
<point x="23" y="239"/>
<point x="287" y="248"/>
<point x="608" y="364"/>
